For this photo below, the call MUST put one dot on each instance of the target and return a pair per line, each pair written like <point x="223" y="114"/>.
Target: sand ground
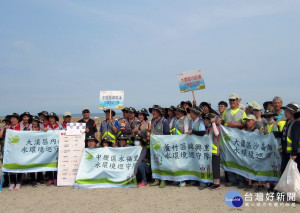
<point x="147" y="199"/>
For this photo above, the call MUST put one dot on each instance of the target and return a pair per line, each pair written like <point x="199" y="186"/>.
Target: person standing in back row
<point x="91" y="129"/>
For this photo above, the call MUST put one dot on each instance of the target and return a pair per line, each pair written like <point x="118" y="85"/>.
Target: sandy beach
<point x="147" y="199"/>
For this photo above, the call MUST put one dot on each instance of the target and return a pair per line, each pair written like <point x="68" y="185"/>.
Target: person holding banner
<point x="40" y="177"/>
<point x="213" y="130"/>
<point x="26" y="121"/>
<point x="197" y="127"/>
<point x="142" y="167"/>
<point x="15" y="180"/>
<point x="52" y="125"/>
<point x="233" y="118"/>
<point x="159" y="126"/>
<point x="251" y="127"/>
<point x="180" y="125"/>
<point x="6" y="120"/>
<point x="109" y="127"/>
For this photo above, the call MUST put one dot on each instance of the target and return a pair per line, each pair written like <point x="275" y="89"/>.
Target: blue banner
<point x="250" y="154"/>
<point x="30" y="151"/>
<point x="108" y="167"/>
<point x="181" y="157"/>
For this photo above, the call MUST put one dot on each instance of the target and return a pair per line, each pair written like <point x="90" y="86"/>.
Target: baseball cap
<point x="234" y="96"/>
<point x="67" y="114"/>
<point x="250" y="117"/>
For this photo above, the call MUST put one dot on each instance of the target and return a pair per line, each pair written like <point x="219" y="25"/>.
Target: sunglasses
<point x="232" y="100"/>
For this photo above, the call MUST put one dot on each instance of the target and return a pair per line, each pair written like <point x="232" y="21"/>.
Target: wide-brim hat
<point x="122" y="137"/>
<point x="113" y="113"/>
<point x="14" y="115"/>
<point x="158" y="108"/>
<point x="125" y="109"/>
<point x="143" y="111"/>
<point x="292" y="107"/>
<point x="195" y="109"/>
<point x="204" y="103"/>
<point x="181" y="109"/>
<point x="25" y="113"/>
<point x="265" y="104"/>
<point x="208" y="116"/>
<point x="268" y="113"/>
<point x="250" y="117"/>
<point x="45" y="113"/>
<point x="131" y="109"/>
<point x="186" y="102"/>
<point x="36" y="118"/>
<point x="52" y="114"/>
<point x="91" y="138"/>
<point x="6" y="119"/>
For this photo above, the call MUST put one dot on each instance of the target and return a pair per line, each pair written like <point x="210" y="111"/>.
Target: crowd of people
<point x="135" y="128"/>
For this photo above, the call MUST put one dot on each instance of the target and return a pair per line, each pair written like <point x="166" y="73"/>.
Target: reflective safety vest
<point x="177" y="126"/>
<point x="286" y="137"/>
<point x="269" y="128"/>
<point x="108" y="132"/>
<point x="216" y="144"/>
<point x="157" y="127"/>
<point x="281" y="125"/>
<point x="289" y="139"/>
<point x="237" y="117"/>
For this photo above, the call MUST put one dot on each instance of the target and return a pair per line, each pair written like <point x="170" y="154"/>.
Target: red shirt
<point x="17" y="127"/>
<point x="49" y="126"/>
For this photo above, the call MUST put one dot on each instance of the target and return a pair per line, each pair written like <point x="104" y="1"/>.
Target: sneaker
<point x="248" y="187"/>
<point x="182" y="184"/>
<point x="155" y="183"/>
<point x="215" y="187"/>
<point x="162" y="184"/>
<point x="50" y="182"/>
<point x="11" y="187"/>
<point x="55" y="182"/>
<point x="259" y="188"/>
<point x="229" y="184"/>
<point x="18" y="187"/>
<point x="241" y="185"/>
<point x="34" y="184"/>
<point x="202" y="186"/>
<point x="142" y="184"/>
<point x="271" y="188"/>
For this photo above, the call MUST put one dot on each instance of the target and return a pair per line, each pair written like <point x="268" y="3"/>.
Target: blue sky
<point x="57" y="55"/>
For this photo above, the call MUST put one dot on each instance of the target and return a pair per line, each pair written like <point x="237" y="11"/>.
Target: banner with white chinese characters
<point x="30" y="151"/>
<point x="181" y="157"/>
<point x="250" y="154"/>
<point x="108" y="167"/>
<point x="192" y="80"/>
<point x="70" y="153"/>
<point x="111" y="100"/>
